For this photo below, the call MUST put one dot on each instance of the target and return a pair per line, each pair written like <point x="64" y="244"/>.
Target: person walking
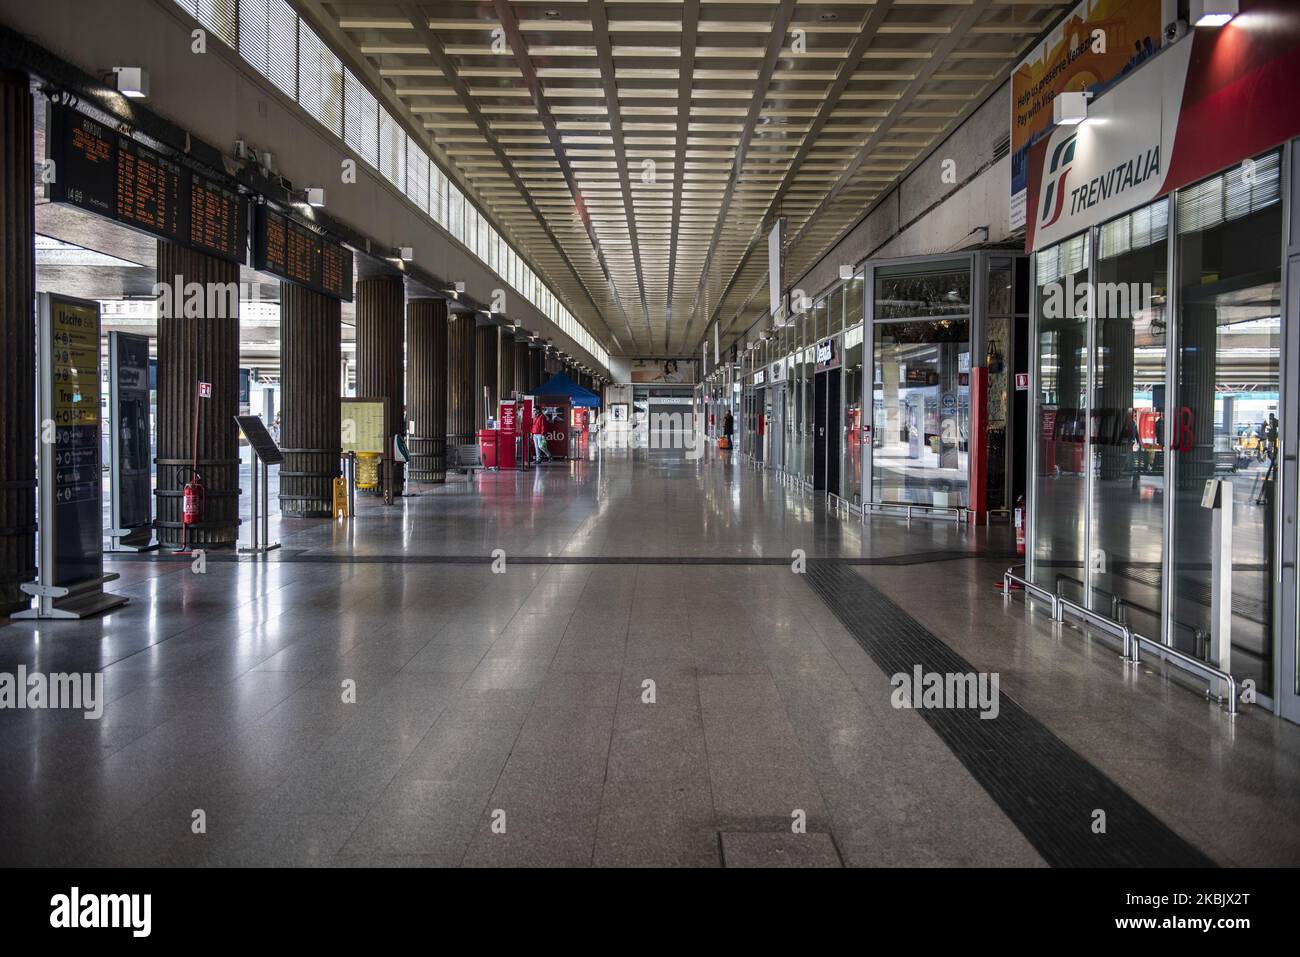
<point x="539" y="437"/>
<point x="728" y="427"/>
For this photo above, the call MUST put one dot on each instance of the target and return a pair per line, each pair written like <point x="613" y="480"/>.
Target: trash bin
<point x="487" y="447"/>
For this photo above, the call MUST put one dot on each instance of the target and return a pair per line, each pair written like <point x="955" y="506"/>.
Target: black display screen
<point x="97" y="169"/>
<point x="292" y="251"/>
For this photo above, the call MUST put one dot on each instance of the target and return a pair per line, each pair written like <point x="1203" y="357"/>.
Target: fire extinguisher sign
<point x="205" y="390"/>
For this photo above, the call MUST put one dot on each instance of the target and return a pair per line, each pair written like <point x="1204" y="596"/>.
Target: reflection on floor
<point x="577" y="710"/>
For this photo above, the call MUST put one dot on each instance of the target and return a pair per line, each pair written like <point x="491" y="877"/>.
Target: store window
<point x="1127" y="455"/>
<point x="1229" y="331"/>
<point x="922" y="412"/>
<point x="1061" y="427"/>
<point x="920" y="393"/>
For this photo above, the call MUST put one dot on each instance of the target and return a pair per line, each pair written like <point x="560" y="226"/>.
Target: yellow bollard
<point x="340" y="497"/>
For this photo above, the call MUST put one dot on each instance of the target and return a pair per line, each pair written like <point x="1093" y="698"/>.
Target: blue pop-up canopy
<point x="561" y="385"/>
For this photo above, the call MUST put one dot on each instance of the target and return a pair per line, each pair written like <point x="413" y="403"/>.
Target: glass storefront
<point x="921" y="384"/>
<point x="1147" y="390"/>
<point x="1229" y="243"/>
<point x="921" y="412"/>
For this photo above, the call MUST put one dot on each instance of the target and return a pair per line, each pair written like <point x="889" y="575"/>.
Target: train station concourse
<point x="703" y="434"/>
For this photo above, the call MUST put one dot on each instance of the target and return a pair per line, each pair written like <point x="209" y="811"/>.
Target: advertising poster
<point x="664" y="370"/>
<point x="1099" y="41"/>
<point x="1194" y="110"/>
<point x="128" y="359"/>
<point x="556" y="413"/>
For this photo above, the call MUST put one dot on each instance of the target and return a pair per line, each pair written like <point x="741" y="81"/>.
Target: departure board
<point x="336" y="271"/>
<point x="218" y="219"/>
<point x="149" y="191"/>
<point x="293" y="251"/>
<point x="97" y="169"/>
<point x="83" y="154"/>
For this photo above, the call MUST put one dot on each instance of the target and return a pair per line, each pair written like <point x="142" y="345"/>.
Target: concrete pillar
<point x="18" y="333"/>
<point x="426" y="327"/>
<point x="381" y="306"/>
<point x="460" y="379"/>
<point x="193" y="350"/>
<point x="311" y="356"/>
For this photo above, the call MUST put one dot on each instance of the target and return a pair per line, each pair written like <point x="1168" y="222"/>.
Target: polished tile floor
<point x="575" y="711"/>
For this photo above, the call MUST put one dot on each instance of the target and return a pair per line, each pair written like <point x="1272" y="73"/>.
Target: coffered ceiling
<point x="640" y="151"/>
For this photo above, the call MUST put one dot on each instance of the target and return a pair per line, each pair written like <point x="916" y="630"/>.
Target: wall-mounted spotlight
<point x="132" y="81"/>
<point x="315" y="196"/>
<point x="1070" y="109"/>
<point x="1213" y="13"/>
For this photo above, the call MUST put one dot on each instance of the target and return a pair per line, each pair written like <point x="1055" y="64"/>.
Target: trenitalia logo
<point x="1058" y="172"/>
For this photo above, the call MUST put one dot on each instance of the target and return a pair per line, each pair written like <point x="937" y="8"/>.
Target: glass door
<point x="1228" y="418"/>
<point x="921" y="412"/>
<point x="1127" y="457"/>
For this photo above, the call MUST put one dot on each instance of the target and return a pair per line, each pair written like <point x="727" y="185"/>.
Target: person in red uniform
<point x="539" y="437"/>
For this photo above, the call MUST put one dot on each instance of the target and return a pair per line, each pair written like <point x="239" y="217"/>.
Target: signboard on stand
<point x="556" y="413"/>
<point x="508" y="423"/>
<point x="70" y="543"/>
<point x="130" y="472"/>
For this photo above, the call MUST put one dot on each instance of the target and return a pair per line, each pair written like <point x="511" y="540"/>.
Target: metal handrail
<point x="1132" y="641"/>
<point x="1030" y="589"/>
<point x="1188" y="663"/>
<point x="1122" y="631"/>
<point x="958" y="512"/>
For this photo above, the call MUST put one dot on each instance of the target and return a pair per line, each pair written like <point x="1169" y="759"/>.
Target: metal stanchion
<point x="1218" y="498"/>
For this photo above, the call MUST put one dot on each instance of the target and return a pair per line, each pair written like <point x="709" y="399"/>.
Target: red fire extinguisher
<point x="192" y="502"/>
<point x="193" y="498"/>
<point x="1020" y="525"/>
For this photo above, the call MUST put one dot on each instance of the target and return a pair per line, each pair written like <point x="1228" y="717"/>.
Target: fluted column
<point x="17" y="332"/>
<point x="486" y="353"/>
<point x="311" y="355"/>
<point x="426" y="330"/>
<point x="520" y="360"/>
<point x="193" y="350"/>
<point x="460" y="379"/>
<point x="536" y="368"/>
<point x="381" y="306"/>
<point x="506" y="365"/>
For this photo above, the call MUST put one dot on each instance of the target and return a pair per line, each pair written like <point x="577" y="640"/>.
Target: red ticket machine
<point x="508" y="428"/>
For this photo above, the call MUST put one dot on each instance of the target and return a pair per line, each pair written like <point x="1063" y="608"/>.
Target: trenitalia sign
<point x="1200" y="106"/>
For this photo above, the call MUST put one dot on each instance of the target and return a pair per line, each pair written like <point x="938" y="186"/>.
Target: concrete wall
<point x="220" y="99"/>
